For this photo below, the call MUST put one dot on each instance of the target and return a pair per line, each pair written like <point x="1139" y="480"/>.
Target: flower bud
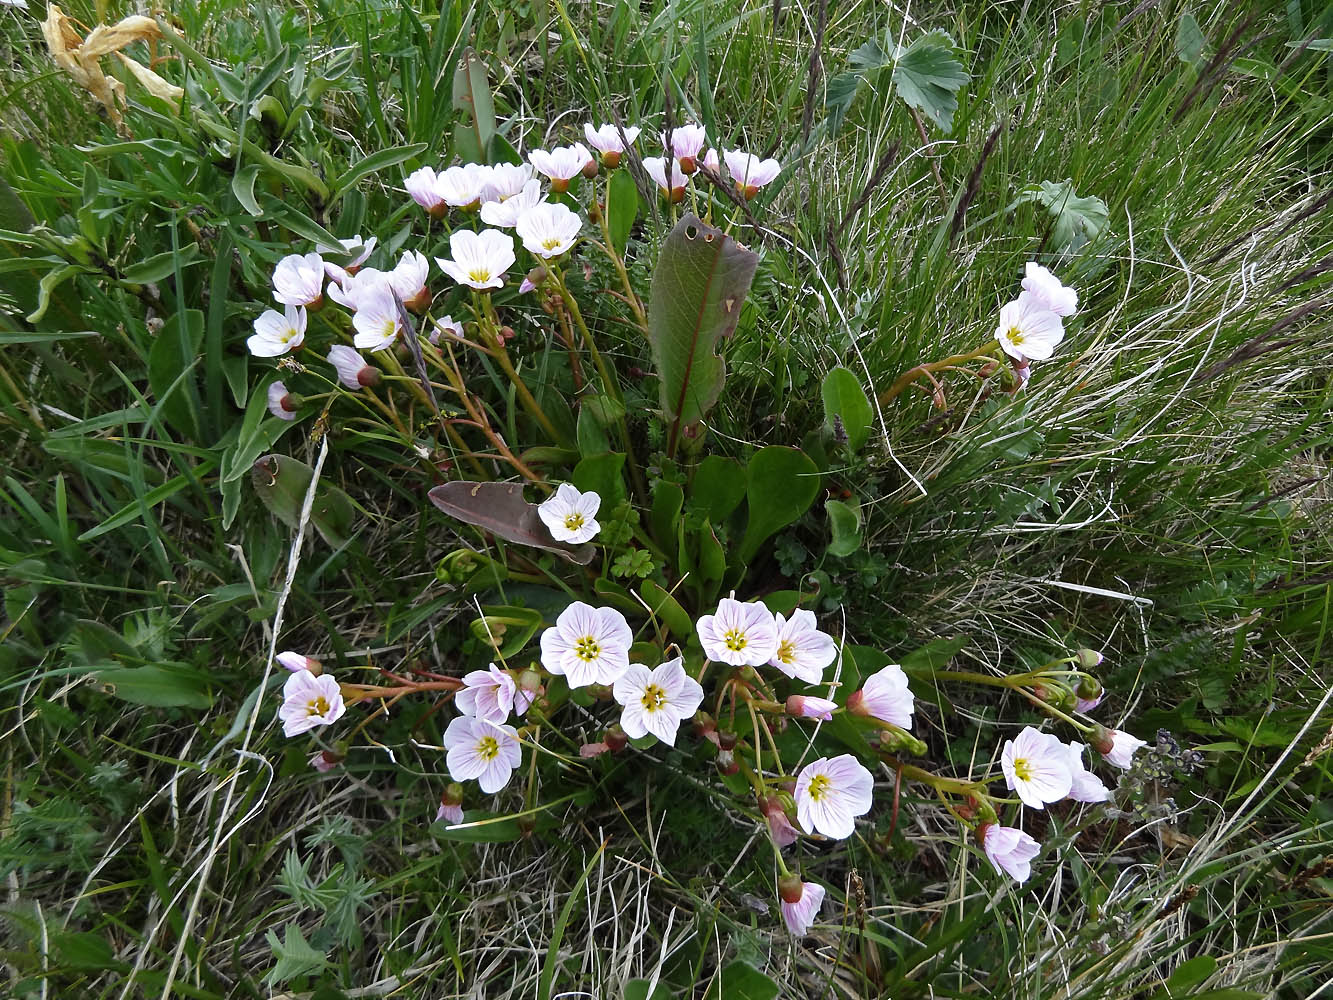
<point x="791" y="888"/>
<point x="610" y="159"/>
<point x="590" y="169"/>
<point x="527" y="825"/>
<point x="324" y="761"/>
<point x="296" y="661"/>
<point x="727" y="764"/>
<point x="601" y="692"/>
<point x="595" y="212"/>
<point x="687" y="167"/>
<point x="453" y="794"/>
<point x="559" y="185"/>
<point x="726" y="739"/>
<point x="897" y="739"/>
<point x="1090" y="689"/>
<point x="615" y="738"/>
<point x="1088" y="659"/>
<point x="589" y="750"/>
<point x="1101" y="739"/>
<point x="536" y="276"/>
<point x="804" y="706"/>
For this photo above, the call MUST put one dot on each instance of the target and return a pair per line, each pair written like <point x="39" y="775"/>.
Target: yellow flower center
<point x="735" y="639"/>
<point x="317" y="706"/>
<point x="480" y="274"/>
<point x="653" y="698"/>
<point x="786" y="651"/>
<point x="288" y="335"/>
<point x="488" y="748"/>
<point x="1022" y="769"/>
<point x="587" y="649"/>
<point x="1015" y="336"/>
<point x="573" y="522"/>
<point x="551" y="243"/>
<point x="819" y="786"/>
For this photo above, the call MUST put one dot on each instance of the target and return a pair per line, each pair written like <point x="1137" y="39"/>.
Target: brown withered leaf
<point x="500" y="509"/>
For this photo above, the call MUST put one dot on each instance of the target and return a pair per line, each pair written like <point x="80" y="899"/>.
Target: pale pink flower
<point x="299" y="280"/>
<point x="712" y="162"/>
<point x="309" y="701"/>
<point x="748" y="172"/>
<point x="1086" y="786"/>
<point x="803" y="651"/>
<point x="656" y="701"/>
<point x="376" y="321"/>
<point x="800" y="906"/>
<point x="280" y="402"/>
<point x="779" y="825"/>
<point x="1011" y="851"/>
<point x="296" y="661"/>
<point x="588" y="645"/>
<point x="569" y="515"/>
<point x="673" y="189"/>
<point x="324" y="761"/>
<point x="739" y="633"/>
<point x="506" y="214"/>
<point x="686" y="141"/>
<point x="548" y="230"/>
<point x="462" y="187"/>
<point x="607" y="141"/>
<point x="1122" y="749"/>
<point x="1036" y="766"/>
<point x="505" y="180"/>
<point x="807" y="707"/>
<point x="353" y="370"/>
<point x="1082" y="704"/>
<point x="1047" y="292"/>
<point x="830" y="793"/>
<point x="482" y="750"/>
<point x="359" y="249"/>
<point x="448" y="813"/>
<point x="445" y="326"/>
<point x="422" y="187"/>
<point x="1028" y="330"/>
<point x="408" y="279"/>
<point x="562" y="164"/>
<point x="276" y="333"/>
<point x="487" y="694"/>
<point x="885" y="696"/>
<point x="480" y="259"/>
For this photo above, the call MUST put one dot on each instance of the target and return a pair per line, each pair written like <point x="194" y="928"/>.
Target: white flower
<point x="1028" y="330"/>
<point x="830" y="793"/>
<point x="808" y="707"/>
<point x="480" y="259"/>
<point x="421" y="186"/>
<point x="886" y="696"/>
<point x="1047" y="292"/>
<point x="588" y="645"/>
<point x="504" y="180"/>
<point x="571" y="516"/>
<point x="280" y="402"/>
<point x="656" y="701"/>
<point x="298" y="661"/>
<point x="803" y="651"/>
<point x="359" y="249"/>
<point x="487" y="694"/>
<point x="548" y="230"/>
<point x="655" y="167"/>
<point x="276" y="333"/>
<point x="1036" y="766"/>
<point x="739" y="633"/>
<point x="446" y="326"/>
<point x="353" y="370"/>
<point x="408" y="279"/>
<point x="686" y="141"/>
<point x="298" y="280"/>
<point x="1010" y="850"/>
<point x="376" y="320"/>
<point x="482" y="750"/>
<point x="507" y="213"/>
<point x="461" y="187"/>
<point x="799" y="913"/>
<point x="309" y="701"/>
<point x="748" y="172"/>
<point x="1122" y="749"/>
<point x="350" y="289"/>
<point x="606" y="140"/>
<point x="1086" y="787"/>
<point x="562" y="164"/>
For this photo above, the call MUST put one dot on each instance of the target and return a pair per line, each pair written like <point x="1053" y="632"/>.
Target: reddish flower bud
<point x="726" y="739"/>
<point x="791" y="888"/>
<point x="616" y="740"/>
<point x="590" y="169"/>
<point x="610" y="159"/>
<point x="559" y="185"/>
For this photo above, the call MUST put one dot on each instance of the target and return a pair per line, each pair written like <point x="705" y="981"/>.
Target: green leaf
<point x="698" y="287"/>
<point x="603" y="475"/>
<point x="50" y="281"/>
<point x="1077" y="220"/>
<point x="243" y="187"/>
<point x="158" y="267"/>
<point x="668" y="499"/>
<point x="472" y="97"/>
<point x="712" y="560"/>
<point x="845" y="524"/>
<point x="739" y="981"/>
<point x="783" y="483"/>
<point x="667" y="609"/>
<point x="84" y="950"/>
<point x="622" y="207"/>
<point x="1189" y="39"/>
<point x="846" y="402"/>
<point x="717" y="488"/>
<point x="137" y="507"/>
<point x="637" y="989"/>
<point x="282" y="482"/>
<point x="1188" y="975"/>
<point x="376" y="161"/>
<point x="927" y="75"/>
<point x="176" y="349"/>
<point x="500" y="509"/>
<point x="160" y="687"/>
<point x="507" y="628"/>
<point x="295" y="956"/>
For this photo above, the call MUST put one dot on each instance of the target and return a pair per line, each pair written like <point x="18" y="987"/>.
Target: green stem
<point x="912" y="374"/>
<point x="501" y="355"/>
